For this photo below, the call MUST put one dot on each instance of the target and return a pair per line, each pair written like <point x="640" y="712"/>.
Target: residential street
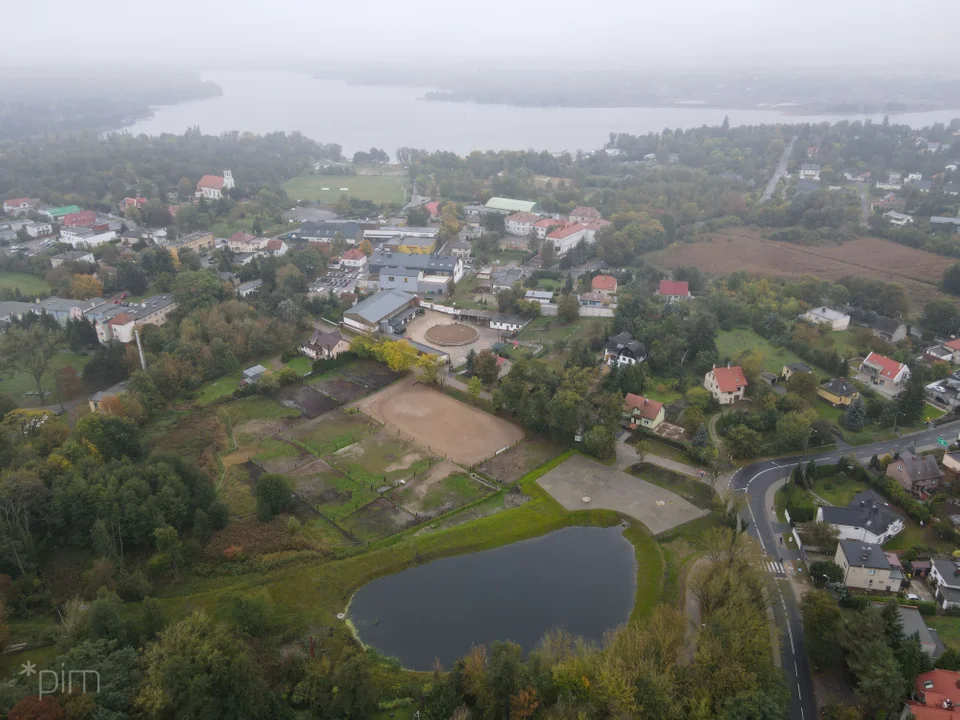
<point x="779" y="172"/>
<point x="758" y="481"/>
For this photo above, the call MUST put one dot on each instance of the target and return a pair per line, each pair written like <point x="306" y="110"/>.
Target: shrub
<point x="801" y="514"/>
<point x="234" y="553"/>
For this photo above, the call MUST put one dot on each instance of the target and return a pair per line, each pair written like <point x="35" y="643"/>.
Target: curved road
<point x="758" y="481"/>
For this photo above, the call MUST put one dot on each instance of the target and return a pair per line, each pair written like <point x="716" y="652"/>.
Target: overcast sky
<point x="208" y="33"/>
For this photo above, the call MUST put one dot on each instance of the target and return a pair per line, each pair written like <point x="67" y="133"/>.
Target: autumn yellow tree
<point x="450" y="222"/>
<point x="84" y="287"/>
<point x="365" y="247"/>
<point x="398" y="355"/>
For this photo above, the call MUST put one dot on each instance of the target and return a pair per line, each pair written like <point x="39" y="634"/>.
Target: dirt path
<point x="691" y="610"/>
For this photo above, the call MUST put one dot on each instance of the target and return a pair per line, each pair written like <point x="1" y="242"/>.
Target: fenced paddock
<point x="440" y="423"/>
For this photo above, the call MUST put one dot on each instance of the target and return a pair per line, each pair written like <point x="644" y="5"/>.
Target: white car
<point x="911" y="596"/>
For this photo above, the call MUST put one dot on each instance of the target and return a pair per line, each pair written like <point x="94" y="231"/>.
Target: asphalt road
<point x="779" y="172"/>
<point x="757" y="481"/>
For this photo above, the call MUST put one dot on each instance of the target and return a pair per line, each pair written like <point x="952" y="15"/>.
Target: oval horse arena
<point x="451" y="334"/>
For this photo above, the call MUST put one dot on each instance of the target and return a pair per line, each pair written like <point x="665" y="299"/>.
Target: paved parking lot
<point x="419" y="325"/>
<point x="611" y="489"/>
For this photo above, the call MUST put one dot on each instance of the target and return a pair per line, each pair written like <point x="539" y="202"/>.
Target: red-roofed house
<point x="521" y="223"/>
<point x="593" y="228"/>
<point x="585" y="215"/>
<point x="888" y="374"/>
<point x="212" y="187"/>
<point x="433" y="208"/>
<point x="565" y="238"/>
<point x="86" y="218"/>
<point x="18" y="206"/>
<point x="726" y="384"/>
<point x="639" y="411"/>
<point x="354" y="258"/>
<point x="244" y="242"/>
<point x="276" y="246"/>
<point x="131" y="202"/>
<point x="120" y="327"/>
<point x="937" y="696"/>
<point x="673" y="290"/>
<point x="606" y="284"/>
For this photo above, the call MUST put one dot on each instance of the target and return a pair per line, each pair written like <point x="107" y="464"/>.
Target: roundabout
<point x="451" y="334"/>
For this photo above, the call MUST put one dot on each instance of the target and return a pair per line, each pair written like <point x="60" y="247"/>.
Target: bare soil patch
<point x="510" y="466"/>
<point x="369" y="374"/>
<point x="452" y="334"/>
<point x="744" y="249"/>
<point x="309" y="401"/>
<point x="342" y="390"/>
<point x="440" y="423"/>
<point x="378" y="518"/>
<point x="254" y="430"/>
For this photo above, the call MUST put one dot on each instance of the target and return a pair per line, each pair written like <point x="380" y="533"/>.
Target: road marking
<point x="795" y="670"/>
<point x="801" y="713"/>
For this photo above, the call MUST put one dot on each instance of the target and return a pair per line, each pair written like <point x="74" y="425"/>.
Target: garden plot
<point x="376" y="519"/>
<point x="328" y="433"/>
<point x="340" y="389"/>
<point x="307" y="400"/>
<point x="443" y="488"/>
<point x="369" y="374"/>
<point x="381" y="460"/>
<point x="279" y="456"/>
<point x="513" y="464"/>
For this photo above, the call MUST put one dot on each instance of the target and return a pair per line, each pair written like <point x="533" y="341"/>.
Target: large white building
<point x="834" y="318"/>
<point x="212" y="187"/>
<point x="521" y="223"/>
<point x="84" y="237"/>
<point x="565" y="238"/>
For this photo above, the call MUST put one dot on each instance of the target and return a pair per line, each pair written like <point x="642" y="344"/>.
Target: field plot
<point x="331" y="493"/>
<point x="509" y="466"/>
<point x="258" y="408"/>
<point x="743" y="249"/>
<point x="307" y="400"/>
<point x="331" y="432"/>
<point x="442" y="489"/>
<point x="29" y="285"/>
<point x="378" y="518"/>
<point x="236" y="490"/>
<point x="279" y="456"/>
<point x="369" y="374"/>
<point x="440" y="423"/>
<point x="329" y="188"/>
<point x="381" y="459"/>
<point x="340" y="389"/>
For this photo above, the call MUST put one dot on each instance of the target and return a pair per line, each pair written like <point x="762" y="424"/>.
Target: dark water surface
<point x="582" y="579"/>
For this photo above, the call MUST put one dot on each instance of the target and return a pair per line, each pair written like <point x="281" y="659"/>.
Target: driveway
<point x="611" y="489"/>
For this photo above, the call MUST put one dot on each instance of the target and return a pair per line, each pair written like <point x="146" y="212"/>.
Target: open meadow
<point x="328" y="188"/>
<point x="744" y="249"/>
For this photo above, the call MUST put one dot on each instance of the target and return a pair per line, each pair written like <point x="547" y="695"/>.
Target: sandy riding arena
<point x="439" y="423"/>
<point x="451" y="334"/>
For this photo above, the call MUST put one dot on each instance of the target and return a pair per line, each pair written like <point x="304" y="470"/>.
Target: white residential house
<point x="866" y="567"/>
<point x="809" y="171"/>
<point x="621" y="349"/>
<point x="867" y="518"/>
<point x="566" y="238"/>
<point x="888" y="185"/>
<point x="834" y="318"/>
<point x="354" y="259"/>
<point x="914" y="177"/>
<point x="897" y="218"/>
<point x="726" y="384"/>
<point x="249" y="288"/>
<point x="38" y="229"/>
<point x="19" y="206"/>
<point x="945" y="576"/>
<point x="84" y="237"/>
<point x="324" y="345"/>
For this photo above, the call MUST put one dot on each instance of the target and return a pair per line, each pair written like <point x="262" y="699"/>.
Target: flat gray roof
<point x="380" y="305"/>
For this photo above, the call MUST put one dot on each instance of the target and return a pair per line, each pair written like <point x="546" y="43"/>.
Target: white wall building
<point x="834" y="318"/>
<point x="82" y="237"/>
<point x="521" y="223"/>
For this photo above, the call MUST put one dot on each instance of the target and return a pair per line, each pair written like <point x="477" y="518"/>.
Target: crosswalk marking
<point x="776" y="568"/>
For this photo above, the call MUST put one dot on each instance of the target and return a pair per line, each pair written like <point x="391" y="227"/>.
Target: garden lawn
<point x="376" y="188"/>
<point x="658" y="448"/>
<point x="912" y="534"/>
<point x="301" y="363"/>
<point x="948" y="628"/>
<point x="29" y="285"/>
<point x="333" y="431"/>
<point x="257" y="407"/>
<point x="221" y="387"/>
<point x="838" y="490"/>
<point x="19" y="383"/>
<point x="732" y="342"/>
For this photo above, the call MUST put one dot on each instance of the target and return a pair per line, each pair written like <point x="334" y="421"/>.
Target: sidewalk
<point x="627" y="456"/>
<point x="454" y="381"/>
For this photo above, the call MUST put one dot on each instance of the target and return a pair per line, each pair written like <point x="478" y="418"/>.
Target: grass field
<point x="328" y="433"/>
<point x="27" y="284"/>
<point x="457" y="488"/>
<point x="379" y="460"/>
<point x="301" y="363"/>
<point x="376" y="188"/>
<point x="948" y="628"/>
<point x="236" y="491"/>
<point x="20" y="382"/>
<point x="732" y="342"/>
<point x="257" y="407"/>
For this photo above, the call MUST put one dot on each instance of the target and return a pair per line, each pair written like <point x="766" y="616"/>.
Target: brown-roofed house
<point x="673" y="290"/>
<point x="324" y="345"/>
<point x="917" y="474"/>
<point x="639" y="411"/>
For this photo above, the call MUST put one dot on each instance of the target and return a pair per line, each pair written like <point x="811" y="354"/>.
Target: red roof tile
<point x="922" y="712"/>
<point x="242" y="236"/>
<point x="936" y="686"/>
<point x="274" y="244"/>
<point x="19" y="201"/>
<point x="214" y="182"/>
<point x="433" y="207"/>
<point x="83" y="218"/>
<point x="547" y="222"/>
<point x="587" y="212"/>
<point x="524" y="217"/>
<point x="598" y="224"/>
<point x="649" y="409"/>
<point x="888" y="368"/>
<point x="729" y="379"/>
<point x="953" y="344"/>
<point x="121" y="319"/>
<point x="566" y="231"/>
<point x="604" y="282"/>
<point x="353" y="254"/>
<point x="674" y="287"/>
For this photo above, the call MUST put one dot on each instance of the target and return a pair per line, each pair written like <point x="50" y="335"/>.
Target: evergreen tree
<point x="701" y="437"/>
<point x="856" y="416"/>
<point x="912" y="400"/>
<point x="799" y="480"/>
<point x="811" y="473"/>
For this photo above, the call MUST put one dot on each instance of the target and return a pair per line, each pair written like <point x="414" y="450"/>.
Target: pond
<point x="582" y="579"/>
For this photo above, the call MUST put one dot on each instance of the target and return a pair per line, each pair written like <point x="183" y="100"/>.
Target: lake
<point x="362" y="116"/>
<point x="582" y="579"/>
